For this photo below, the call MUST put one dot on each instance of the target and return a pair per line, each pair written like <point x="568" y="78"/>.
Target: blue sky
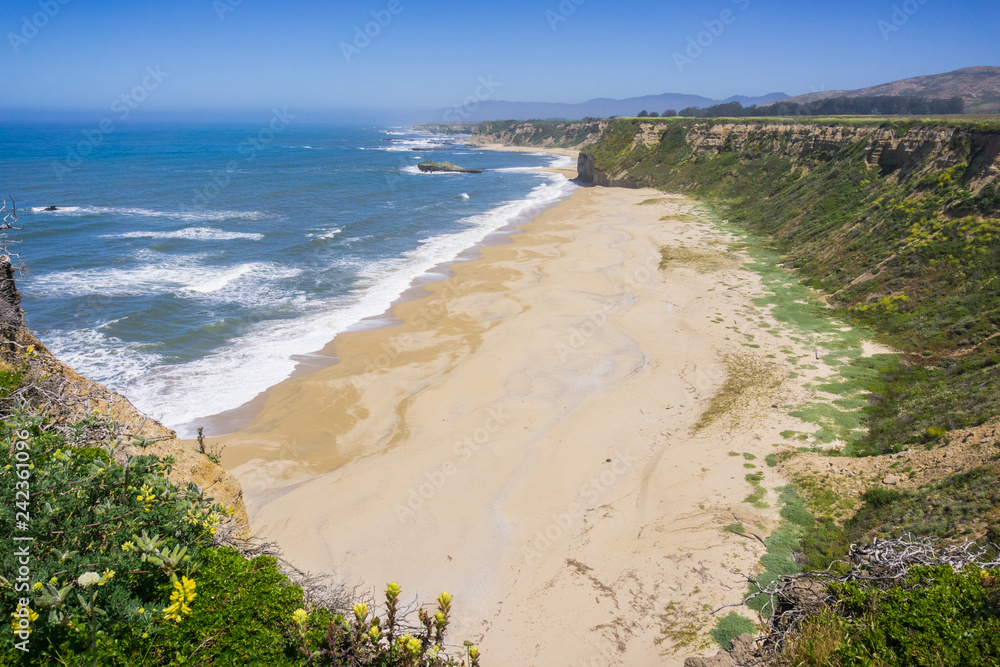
<point x="256" y="54"/>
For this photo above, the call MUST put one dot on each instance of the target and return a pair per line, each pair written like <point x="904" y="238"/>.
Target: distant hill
<point x="978" y="86"/>
<point x="596" y="108"/>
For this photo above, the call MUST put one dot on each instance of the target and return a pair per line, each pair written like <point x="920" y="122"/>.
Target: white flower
<point x="88" y="579"/>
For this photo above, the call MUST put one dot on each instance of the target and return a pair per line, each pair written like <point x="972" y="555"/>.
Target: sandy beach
<point x="539" y="438"/>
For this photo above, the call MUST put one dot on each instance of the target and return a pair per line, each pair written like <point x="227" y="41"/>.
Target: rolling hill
<point x="978" y="86"/>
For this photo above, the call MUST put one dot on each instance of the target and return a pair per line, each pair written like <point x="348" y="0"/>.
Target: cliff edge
<point x="68" y="396"/>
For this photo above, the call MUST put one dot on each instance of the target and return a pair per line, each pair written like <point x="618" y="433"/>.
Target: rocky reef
<point x="430" y="166"/>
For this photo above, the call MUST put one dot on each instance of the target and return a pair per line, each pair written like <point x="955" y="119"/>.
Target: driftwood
<point x="9" y="217"/>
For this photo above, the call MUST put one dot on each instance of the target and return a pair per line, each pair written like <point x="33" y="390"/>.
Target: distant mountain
<point x="978" y="86"/>
<point x="597" y="108"/>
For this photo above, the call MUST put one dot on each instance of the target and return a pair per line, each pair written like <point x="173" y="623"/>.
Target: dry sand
<point x="527" y="439"/>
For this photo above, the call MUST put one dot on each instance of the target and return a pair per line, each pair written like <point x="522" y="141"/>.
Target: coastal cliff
<point x="622" y="154"/>
<point x="67" y="396"/>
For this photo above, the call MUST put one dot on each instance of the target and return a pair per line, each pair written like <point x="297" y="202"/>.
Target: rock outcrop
<point x="68" y="396"/>
<point x="742" y="652"/>
<point x="446" y="166"/>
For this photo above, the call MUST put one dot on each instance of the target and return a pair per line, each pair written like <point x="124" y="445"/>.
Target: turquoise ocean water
<point x="189" y="266"/>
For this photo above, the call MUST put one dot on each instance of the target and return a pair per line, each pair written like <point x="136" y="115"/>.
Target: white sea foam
<point x="327" y="234"/>
<point x="192" y="234"/>
<point x="413" y="169"/>
<point x="422" y="144"/>
<point x="261" y="358"/>
<point x="184" y="276"/>
<point x="123" y="211"/>
<point x="103" y="358"/>
<point x="232" y="375"/>
<point x="213" y="283"/>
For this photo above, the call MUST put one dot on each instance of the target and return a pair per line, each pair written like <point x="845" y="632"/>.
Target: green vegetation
<point x="880" y="105"/>
<point x="935" y="616"/>
<point x="542" y="132"/>
<point x="730" y="627"/>
<point x="910" y="253"/>
<point x="124" y="569"/>
<point x="781" y="543"/>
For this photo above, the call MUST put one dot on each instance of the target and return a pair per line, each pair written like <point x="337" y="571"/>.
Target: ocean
<point x="192" y="267"/>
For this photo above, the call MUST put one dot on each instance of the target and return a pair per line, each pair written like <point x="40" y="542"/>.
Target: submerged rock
<point x="50" y="208"/>
<point x="446" y="166"/>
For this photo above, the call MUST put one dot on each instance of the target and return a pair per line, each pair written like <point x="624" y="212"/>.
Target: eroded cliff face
<point x="900" y="153"/>
<point x="543" y="134"/>
<point x="69" y="396"/>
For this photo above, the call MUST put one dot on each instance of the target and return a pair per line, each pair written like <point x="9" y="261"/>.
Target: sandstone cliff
<point x="544" y="134"/>
<point x="893" y="148"/>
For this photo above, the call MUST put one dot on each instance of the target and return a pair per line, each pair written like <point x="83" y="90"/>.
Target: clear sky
<point x="425" y="54"/>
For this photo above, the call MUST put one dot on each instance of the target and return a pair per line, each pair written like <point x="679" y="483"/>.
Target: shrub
<point x="124" y="570"/>
<point x="730" y="627"/>
<point x="935" y="616"/>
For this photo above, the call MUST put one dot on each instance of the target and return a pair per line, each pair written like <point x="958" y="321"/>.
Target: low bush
<point x="934" y="616"/>
<point x="114" y="565"/>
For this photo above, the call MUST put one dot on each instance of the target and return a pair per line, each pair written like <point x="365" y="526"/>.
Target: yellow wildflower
<point x="412" y="645"/>
<point x="146" y="496"/>
<point x="22" y="618"/>
<point x="300" y="616"/>
<point x="182" y="594"/>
